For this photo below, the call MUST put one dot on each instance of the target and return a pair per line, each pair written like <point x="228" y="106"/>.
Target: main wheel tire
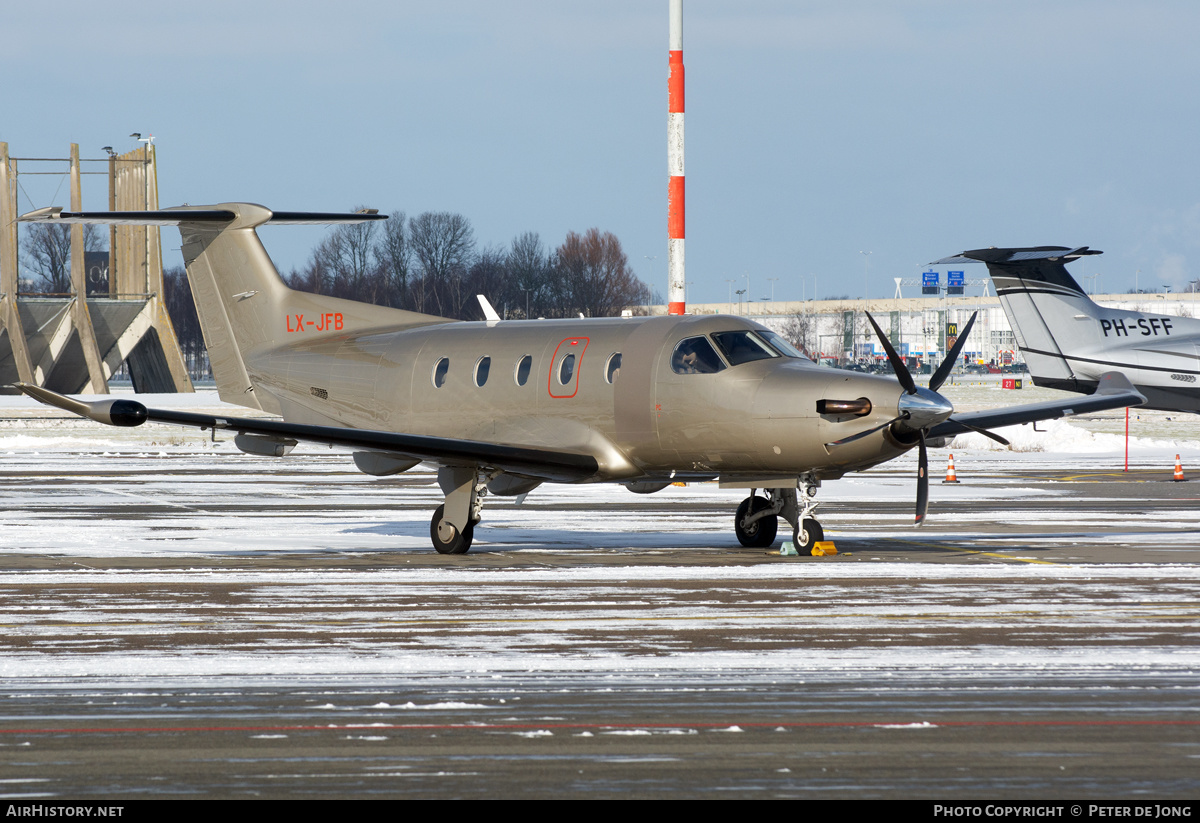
<point x="760" y="533"/>
<point x="458" y="543"/>
<point x="810" y="535"/>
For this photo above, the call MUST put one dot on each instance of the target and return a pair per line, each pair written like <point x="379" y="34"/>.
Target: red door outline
<point x="576" y="346"/>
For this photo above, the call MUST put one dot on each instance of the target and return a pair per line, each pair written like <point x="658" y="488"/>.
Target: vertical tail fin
<point x="245" y="308"/>
<point x="1043" y="304"/>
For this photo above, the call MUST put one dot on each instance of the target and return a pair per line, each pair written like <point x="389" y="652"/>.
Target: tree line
<point x="431" y="264"/>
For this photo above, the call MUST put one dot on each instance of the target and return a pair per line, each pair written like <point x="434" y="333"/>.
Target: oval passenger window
<point x="439" y="372"/>
<point x="523" y="367"/>
<point x="614" y="367"/>
<point x="566" y="369"/>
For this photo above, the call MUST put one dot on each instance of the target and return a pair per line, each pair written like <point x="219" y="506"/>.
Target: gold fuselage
<point x="758" y="419"/>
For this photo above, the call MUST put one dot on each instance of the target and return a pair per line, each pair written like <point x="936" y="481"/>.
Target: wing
<point x="544" y="464"/>
<point x="1114" y="392"/>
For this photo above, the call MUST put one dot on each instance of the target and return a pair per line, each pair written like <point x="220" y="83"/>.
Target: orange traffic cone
<point x="951" y="477"/>
<point x="1178" y="470"/>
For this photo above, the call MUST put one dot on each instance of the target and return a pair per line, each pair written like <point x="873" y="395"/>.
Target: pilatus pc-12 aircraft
<point x="501" y="407"/>
<point x="1069" y="342"/>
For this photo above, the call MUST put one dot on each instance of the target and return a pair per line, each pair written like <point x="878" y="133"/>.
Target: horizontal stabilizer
<point x="181" y="215"/>
<point x="1015" y="256"/>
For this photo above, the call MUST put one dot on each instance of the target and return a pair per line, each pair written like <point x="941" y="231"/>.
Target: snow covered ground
<point x="151" y="577"/>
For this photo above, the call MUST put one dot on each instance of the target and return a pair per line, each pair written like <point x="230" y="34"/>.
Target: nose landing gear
<point x="756" y="522"/>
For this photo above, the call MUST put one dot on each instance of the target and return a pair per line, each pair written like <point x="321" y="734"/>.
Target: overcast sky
<point x="815" y="130"/>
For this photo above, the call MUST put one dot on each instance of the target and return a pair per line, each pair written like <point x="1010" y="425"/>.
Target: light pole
<point x="866" y="270"/>
<point x="772" y="281"/>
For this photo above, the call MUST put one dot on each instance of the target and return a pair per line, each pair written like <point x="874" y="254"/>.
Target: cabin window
<point x="566" y="369"/>
<point x="481" y="370"/>
<point x="613" y="368"/>
<point x="695" y="355"/>
<point x="522" y="372"/>
<point x="742" y="347"/>
<point x="439" y="372"/>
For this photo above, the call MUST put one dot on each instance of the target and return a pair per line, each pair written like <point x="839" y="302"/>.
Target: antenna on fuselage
<point x="489" y="313"/>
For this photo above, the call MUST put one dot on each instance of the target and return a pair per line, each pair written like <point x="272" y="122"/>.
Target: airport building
<point x="918" y="327"/>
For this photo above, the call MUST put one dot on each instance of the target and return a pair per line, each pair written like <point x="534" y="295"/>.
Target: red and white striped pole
<point x="675" y="222"/>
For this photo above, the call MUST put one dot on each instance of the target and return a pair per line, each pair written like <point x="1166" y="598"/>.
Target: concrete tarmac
<point x="279" y="630"/>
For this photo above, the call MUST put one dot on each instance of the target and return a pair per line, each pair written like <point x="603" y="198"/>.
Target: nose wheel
<point x="809" y="535"/>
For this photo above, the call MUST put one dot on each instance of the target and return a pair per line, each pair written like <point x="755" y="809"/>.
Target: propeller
<point x="921" y="408"/>
<point x="935" y="408"/>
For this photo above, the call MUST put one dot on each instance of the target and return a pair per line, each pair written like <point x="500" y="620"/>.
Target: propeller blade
<point x="985" y="433"/>
<point x="922" y="481"/>
<point x="943" y="371"/>
<point x="863" y="434"/>
<point x="901" y="370"/>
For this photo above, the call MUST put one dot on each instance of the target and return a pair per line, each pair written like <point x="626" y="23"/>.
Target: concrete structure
<point x="75" y="342"/>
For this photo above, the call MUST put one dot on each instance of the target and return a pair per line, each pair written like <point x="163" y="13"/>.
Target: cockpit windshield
<point x="742" y="347"/>
<point x="782" y="345"/>
<point x="696" y="355"/>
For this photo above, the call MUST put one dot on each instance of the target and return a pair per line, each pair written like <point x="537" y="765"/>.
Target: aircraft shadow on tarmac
<point x="498" y="538"/>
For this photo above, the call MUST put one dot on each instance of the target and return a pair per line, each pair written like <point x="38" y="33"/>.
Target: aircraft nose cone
<point x="925" y="408"/>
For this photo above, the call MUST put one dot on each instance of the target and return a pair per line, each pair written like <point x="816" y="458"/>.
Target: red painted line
<point x="675" y="216"/>
<point x="675" y="82"/>
<point x="364" y="727"/>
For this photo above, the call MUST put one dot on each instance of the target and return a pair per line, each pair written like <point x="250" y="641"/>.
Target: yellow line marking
<point x="997" y="555"/>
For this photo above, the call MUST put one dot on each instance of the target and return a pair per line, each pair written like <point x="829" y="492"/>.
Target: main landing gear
<point x="757" y="520"/>
<point x="448" y="538"/>
<point x="453" y="525"/>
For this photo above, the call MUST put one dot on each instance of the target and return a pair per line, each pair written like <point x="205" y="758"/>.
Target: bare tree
<point x="596" y="274"/>
<point x="536" y="289"/>
<point x="46" y="249"/>
<point x="344" y="264"/>
<point x="393" y="251"/>
<point x="801" y="330"/>
<point x="490" y="277"/>
<point x="177" y="295"/>
<point x="444" y="247"/>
